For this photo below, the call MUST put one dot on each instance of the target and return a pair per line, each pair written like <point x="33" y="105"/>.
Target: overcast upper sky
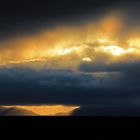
<point x="28" y="16"/>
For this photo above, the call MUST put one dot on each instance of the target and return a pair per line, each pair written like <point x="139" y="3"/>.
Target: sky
<point x="83" y="53"/>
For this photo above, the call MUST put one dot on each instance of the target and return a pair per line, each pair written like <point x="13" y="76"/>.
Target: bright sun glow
<point x="64" y="51"/>
<point x="103" y="40"/>
<point x="87" y="59"/>
<point x="114" y="49"/>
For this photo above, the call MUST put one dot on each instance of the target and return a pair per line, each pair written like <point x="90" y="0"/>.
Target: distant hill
<point x="13" y="111"/>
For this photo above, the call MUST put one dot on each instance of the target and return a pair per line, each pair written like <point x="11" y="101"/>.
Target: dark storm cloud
<point x="49" y="78"/>
<point x="48" y="86"/>
<point x="25" y="86"/>
<point x="131" y="10"/>
<point x="123" y="101"/>
<point x="112" y="67"/>
<point x="28" y="17"/>
<point x="30" y="9"/>
<point x="129" y="71"/>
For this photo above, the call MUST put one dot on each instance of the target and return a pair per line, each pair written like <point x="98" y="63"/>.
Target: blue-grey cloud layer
<point x="26" y="86"/>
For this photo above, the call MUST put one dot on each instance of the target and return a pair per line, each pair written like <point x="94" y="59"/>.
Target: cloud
<point x="111" y="67"/>
<point x="66" y="46"/>
<point x="27" y="86"/>
<point x="46" y="77"/>
<point x="34" y="17"/>
<point x="127" y="72"/>
<point x="20" y="85"/>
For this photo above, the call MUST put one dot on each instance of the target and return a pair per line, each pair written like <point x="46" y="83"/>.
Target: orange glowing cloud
<point x="67" y="47"/>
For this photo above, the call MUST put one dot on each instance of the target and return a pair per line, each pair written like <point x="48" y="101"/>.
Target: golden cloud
<point x="66" y="47"/>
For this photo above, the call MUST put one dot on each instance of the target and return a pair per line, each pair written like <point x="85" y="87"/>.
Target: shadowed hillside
<point x="13" y="111"/>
